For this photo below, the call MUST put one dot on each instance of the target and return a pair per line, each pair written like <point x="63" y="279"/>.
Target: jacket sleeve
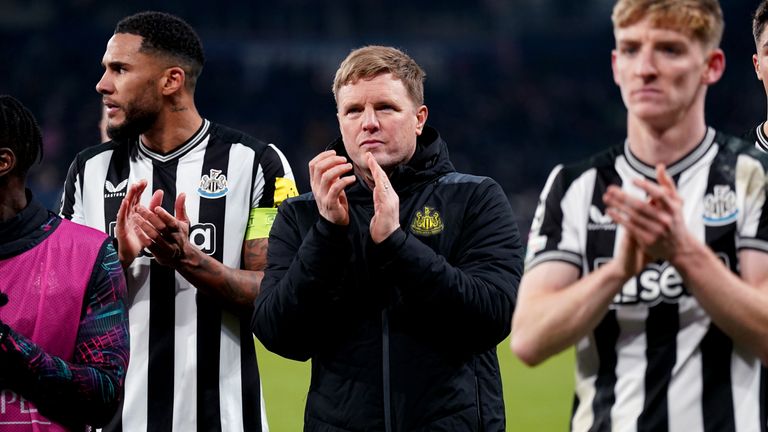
<point x="469" y="300"/>
<point x="87" y="389"/>
<point x="299" y="282"/>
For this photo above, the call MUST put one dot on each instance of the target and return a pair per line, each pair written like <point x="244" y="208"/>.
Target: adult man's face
<point x="131" y="87"/>
<point x="377" y="116"/>
<point x="662" y="73"/>
<point x="760" y="60"/>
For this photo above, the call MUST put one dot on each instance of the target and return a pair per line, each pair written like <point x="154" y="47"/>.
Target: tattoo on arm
<point x="235" y="285"/>
<point x="255" y="254"/>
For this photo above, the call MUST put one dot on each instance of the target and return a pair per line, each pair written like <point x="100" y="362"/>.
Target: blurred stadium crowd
<point x="514" y="86"/>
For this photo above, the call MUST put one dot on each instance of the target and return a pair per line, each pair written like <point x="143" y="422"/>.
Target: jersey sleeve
<point x="273" y="184"/>
<point x="71" y="198"/>
<point x="751" y="191"/>
<point x="87" y="389"/>
<point x="274" y="180"/>
<point x="554" y="233"/>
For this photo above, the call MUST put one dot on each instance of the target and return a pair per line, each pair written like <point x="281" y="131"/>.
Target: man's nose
<point x="370" y="120"/>
<point x="104" y="86"/>
<point x="646" y="63"/>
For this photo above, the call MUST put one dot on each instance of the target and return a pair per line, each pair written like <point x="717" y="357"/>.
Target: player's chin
<point x="653" y="114"/>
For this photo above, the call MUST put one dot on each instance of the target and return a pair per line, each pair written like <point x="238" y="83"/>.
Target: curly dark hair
<point x="20" y="132"/>
<point x="759" y="19"/>
<point x="169" y="35"/>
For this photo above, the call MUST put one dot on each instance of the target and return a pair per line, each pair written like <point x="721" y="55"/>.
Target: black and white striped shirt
<point x="757" y="136"/>
<point x="193" y="362"/>
<point x="656" y="361"/>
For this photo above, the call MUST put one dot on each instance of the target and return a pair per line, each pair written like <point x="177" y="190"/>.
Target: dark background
<point x="514" y="86"/>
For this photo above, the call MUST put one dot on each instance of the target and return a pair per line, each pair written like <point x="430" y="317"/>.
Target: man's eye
<point x="628" y="50"/>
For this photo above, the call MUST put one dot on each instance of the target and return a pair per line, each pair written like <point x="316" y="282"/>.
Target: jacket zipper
<point x="385" y="370"/>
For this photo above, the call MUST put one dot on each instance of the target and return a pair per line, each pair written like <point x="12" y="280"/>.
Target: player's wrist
<point x="617" y="272"/>
<point x="126" y="258"/>
<point x="189" y="258"/>
<point x="689" y="253"/>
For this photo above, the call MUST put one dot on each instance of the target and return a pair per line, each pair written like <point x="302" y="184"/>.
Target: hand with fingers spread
<point x="325" y="177"/>
<point x="655" y="223"/>
<point x="386" y="203"/>
<point x="129" y="243"/>
<point x="165" y="235"/>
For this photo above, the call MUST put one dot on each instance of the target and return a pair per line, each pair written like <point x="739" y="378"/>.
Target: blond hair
<point x="699" y="19"/>
<point x="373" y="60"/>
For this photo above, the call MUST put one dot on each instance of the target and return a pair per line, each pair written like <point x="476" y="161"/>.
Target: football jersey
<point x="193" y="361"/>
<point x="657" y="361"/>
<point x="757" y="136"/>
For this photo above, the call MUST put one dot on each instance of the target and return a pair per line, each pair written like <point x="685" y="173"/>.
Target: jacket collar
<point x="429" y="161"/>
<point x="25" y="230"/>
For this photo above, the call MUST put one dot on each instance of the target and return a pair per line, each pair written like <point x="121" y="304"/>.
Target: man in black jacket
<point x="397" y="275"/>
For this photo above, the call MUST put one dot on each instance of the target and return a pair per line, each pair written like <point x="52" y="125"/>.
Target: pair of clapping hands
<point x="654" y="226"/>
<point x="166" y="236"/>
<point x="328" y="181"/>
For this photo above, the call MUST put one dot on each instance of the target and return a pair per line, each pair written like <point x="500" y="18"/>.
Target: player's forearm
<point x="736" y="307"/>
<point x="68" y="392"/>
<point x="233" y="286"/>
<point x="546" y="323"/>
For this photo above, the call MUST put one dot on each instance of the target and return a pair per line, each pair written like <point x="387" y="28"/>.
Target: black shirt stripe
<point x="162" y="315"/>
<point x="716" y="347"/>
<point x="606" y="336"/>
<point x="208" y="308"/>
<point x="661" y="328"/>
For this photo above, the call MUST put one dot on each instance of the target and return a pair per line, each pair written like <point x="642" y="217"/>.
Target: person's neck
<point x="173" y="128"/>
<point x="13" y="198"/>
<point x="364" y="175"/>
<point x="665" y="144"/>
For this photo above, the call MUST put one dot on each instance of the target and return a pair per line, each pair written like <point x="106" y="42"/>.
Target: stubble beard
<point x="137" y="121"/>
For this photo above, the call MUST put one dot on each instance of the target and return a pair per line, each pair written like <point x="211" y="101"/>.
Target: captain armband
<point x="284" y="188"/>
<point x="260" y="222"/>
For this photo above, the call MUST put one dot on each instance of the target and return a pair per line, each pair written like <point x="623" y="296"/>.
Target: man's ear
<point x="421" y="118"/>
<point x="7" y="161"/>
<point x="756" y="64"/>
<point x="715" y="67"/>
<point x="174" y="79"/>
<point x="613" y="67"/>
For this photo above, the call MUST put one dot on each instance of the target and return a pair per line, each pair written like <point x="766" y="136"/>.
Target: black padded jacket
<point x="402" y="335"/>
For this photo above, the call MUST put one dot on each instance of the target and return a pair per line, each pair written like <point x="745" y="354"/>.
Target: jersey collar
<point x="762" y="141"/>
<point x="183" y="149"/>
<point x="675" y="168"/>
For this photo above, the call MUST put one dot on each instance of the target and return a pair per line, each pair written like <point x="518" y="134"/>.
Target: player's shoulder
<point x="227" y="135"/>
<point x="600" y="161"/>
<point x="751" y="134"/>
<point x="730" y="144"/>
<point x="95" y="150"/>
<point x="82" y="234"/>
